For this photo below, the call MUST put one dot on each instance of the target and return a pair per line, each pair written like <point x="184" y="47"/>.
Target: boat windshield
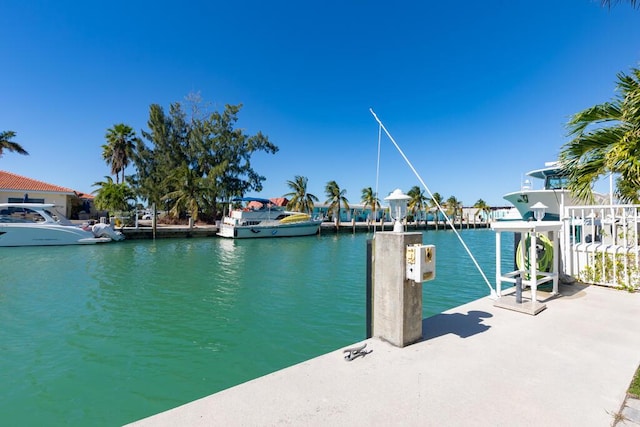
<point x="555" y="182"/>
<point x="20" y="215"/>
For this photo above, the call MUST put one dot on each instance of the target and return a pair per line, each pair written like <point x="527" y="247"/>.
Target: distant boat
<point x="553" y="195"/>
<point x="262" y="218"/>
<point x="33" y="224"/>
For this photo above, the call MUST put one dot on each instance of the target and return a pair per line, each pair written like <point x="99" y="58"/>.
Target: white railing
<point x="600" y="245"/>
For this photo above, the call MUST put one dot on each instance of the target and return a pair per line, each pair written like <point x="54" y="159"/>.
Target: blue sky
<point x="475" y="93"/>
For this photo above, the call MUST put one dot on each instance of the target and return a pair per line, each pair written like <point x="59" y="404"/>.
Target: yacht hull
<point x="46" y="235"/>
<point x="552" y="199"/>
<point x="306" y="228"/>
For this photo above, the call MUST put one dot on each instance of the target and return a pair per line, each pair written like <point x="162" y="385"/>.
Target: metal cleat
<point x="354" y="352"/>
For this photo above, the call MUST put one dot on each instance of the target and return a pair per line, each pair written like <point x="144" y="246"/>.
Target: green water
<point x="108" y="334"/>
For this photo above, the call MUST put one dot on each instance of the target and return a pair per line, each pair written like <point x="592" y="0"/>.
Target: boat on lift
<point x="553" y="194"/>
<point x="34" y="224"/>
<point x="263" y="218"/>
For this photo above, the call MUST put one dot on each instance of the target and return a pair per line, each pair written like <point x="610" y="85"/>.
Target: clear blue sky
<point x="476" y="93"/>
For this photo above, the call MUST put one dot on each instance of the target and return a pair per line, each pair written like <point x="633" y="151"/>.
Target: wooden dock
<point x="168" y="231"/>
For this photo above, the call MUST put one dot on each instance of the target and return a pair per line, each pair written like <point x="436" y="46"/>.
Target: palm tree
<point x="188" y="194"/>
<point x="606" y="140"/>
<point x="453" y="205"/>
<point x="370" y="200"/>
<point x="7" y="144"/>
<point x="113" y="196"/>
<point x="335" y="199"/>
<point x="299" y="199"/>
<point x="482" y="206"/>
<point x="418" y="201"/>
<point x="119" y="149"/>
<point x="436" y="200"/>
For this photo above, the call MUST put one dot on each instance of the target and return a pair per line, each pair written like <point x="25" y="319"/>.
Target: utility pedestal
<point x="397" y="301"/>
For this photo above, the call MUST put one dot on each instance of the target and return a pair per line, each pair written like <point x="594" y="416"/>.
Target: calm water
<point x="108" y="334"/>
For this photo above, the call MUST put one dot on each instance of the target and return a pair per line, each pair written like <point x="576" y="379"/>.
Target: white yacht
<point x="34" y="224"/>
<point x="553" y="193"/>
<point x="265" y="220"/>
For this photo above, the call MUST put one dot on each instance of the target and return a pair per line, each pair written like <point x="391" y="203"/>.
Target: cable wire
<point x="448" y="220"/>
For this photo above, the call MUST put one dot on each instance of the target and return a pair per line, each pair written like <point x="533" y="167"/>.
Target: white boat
<point x="265" y="220"/>
<point x="34" y="224"/>
<point x="553" y="195"/>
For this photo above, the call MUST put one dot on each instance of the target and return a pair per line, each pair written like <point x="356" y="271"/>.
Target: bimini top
<point x="551" y="169"/>
<point x="252" y="199"/>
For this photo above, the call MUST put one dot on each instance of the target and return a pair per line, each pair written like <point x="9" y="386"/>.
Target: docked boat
<point x="262" y="218"/>
<point x="34" y="224"/>
<point x="553" y="194"/>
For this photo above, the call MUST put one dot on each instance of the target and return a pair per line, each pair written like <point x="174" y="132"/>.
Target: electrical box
<point x="421" y="262"/>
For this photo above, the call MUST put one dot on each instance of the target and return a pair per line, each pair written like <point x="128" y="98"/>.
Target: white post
<point x="522" y="257"/>
<point x="556" y="270"/>
<point x="498" y="265"/>
<point x="533" y="266"/>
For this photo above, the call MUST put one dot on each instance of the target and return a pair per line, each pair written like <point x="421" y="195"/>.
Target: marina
<point x="260" y="258"/>
<point x="110" y="334"/>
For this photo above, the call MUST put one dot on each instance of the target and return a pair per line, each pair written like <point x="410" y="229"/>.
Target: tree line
<point x="190" y="163"/>
<point x="185" y="163"/>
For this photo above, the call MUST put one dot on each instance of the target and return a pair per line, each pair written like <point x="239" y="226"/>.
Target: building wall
<point x="62" y="201"/>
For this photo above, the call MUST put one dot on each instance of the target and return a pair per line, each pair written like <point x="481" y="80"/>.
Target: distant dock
<point x="168" y="231"/>
<point x="388" y="226"/>
<point x="145" y="231"/>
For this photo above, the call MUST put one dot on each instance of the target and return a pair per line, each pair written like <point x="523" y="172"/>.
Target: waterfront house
<point x="17" y="188"/>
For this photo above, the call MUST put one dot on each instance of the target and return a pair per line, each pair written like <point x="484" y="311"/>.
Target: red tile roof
<point x="11" y="181"/>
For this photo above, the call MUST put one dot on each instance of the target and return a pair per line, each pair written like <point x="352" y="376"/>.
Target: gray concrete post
<point x="397" y="301"/>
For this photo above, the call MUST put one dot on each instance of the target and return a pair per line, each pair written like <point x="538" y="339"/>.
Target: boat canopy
<point x="546" y="172"/>
<point x="554" y="177"/>
<point x="252" y="199"/>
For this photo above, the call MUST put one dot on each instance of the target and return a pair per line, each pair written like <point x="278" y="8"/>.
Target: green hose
<point x="544" y="249"/>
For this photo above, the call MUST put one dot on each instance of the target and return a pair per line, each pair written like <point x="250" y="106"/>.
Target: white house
<point x="16" y="188"/>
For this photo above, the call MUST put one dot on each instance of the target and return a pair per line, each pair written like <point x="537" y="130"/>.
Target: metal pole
<point x="154" y="223"/>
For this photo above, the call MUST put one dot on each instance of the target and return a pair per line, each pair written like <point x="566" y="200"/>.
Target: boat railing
<point x="601" y="244"/>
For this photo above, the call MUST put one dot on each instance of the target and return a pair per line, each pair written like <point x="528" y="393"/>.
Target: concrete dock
<point x="476" y="364"/>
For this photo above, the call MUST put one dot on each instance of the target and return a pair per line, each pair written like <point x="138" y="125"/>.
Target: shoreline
<point x="145" y="231"/>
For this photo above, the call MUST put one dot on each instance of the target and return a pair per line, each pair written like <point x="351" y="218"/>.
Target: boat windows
<point x="25" y="199"/>
<point x="14" y="214"/>
<point x="556" y="183"/>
